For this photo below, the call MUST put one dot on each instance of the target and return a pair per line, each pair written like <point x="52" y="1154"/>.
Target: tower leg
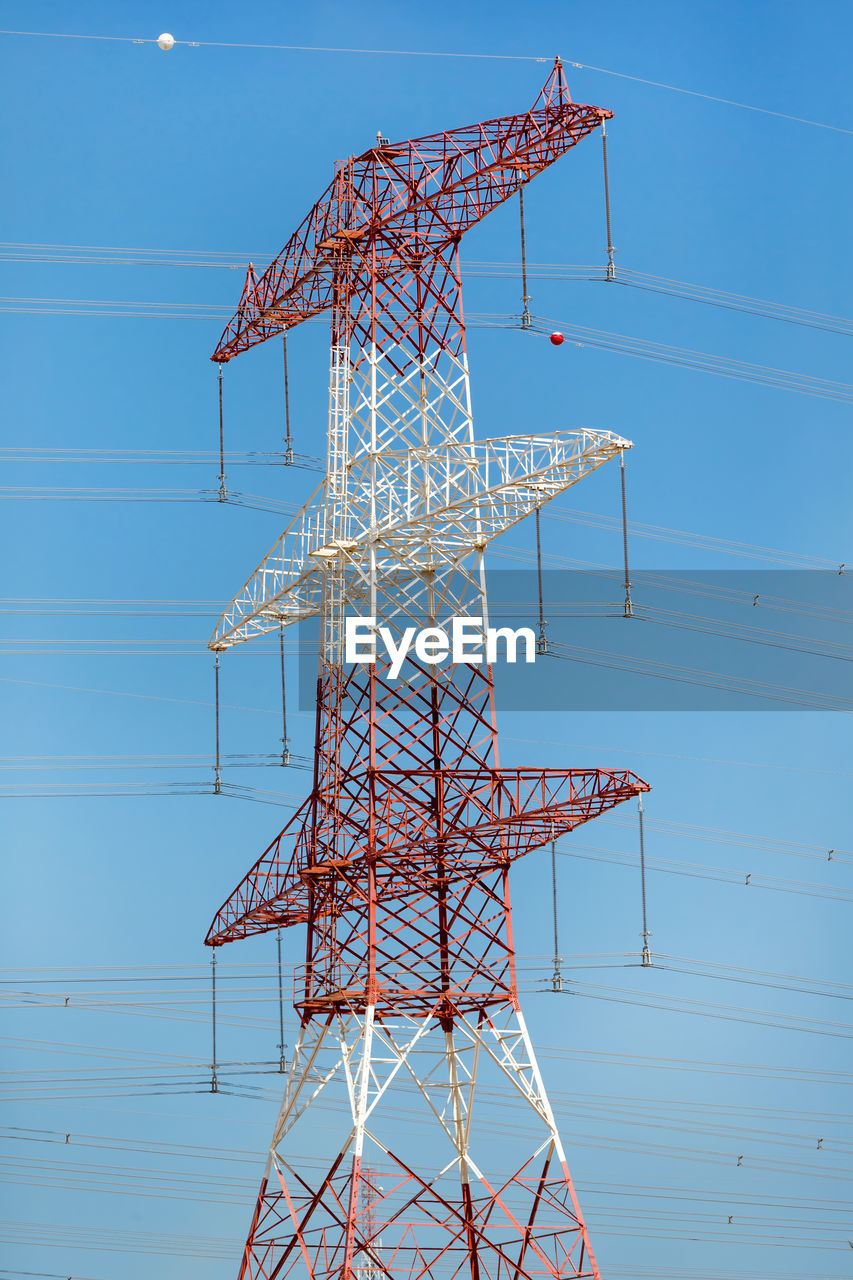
<point x="406" y="1192"/>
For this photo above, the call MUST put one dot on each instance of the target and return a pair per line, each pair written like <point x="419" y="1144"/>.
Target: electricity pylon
<point x="397" y="863"/>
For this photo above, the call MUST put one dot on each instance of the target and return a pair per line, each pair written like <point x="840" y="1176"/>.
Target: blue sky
<point x="225" y="149"/>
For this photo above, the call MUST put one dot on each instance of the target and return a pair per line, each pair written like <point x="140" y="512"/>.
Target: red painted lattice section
<point x="380" y="245"/>
<point x="528" y="1225"/>
<point x="397" y="860"/>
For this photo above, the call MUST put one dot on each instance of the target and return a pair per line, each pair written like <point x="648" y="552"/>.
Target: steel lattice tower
<point x="397" y="862"/>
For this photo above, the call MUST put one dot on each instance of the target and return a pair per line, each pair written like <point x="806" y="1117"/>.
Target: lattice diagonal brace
<point x="397" y="863"/>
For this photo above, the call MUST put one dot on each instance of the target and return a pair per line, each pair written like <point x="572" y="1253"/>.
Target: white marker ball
<point x="166" y="41"/>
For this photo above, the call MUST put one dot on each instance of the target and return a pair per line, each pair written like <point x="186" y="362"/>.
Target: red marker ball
<point x="557" y="339"/>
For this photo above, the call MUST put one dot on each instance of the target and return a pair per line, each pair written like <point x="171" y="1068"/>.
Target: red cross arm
<point x="401" y="198"/>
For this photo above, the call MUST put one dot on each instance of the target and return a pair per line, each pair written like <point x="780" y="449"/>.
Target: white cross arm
<point x="446" y="501"/>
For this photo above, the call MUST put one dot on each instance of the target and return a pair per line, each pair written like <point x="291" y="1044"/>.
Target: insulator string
<point x="285" y="750"/>
<point x="288" y="443"/>
<point x="557" y="977"/>
<point x="542" y="642"/>
<point x="647" y="955"/>
<point x="217" y="779"/>
<point x="221" y="477"/>
<point x="282" y="1061"/>
<point x="628" y="607"/>
<point x="214" y="1083"/>
<point x="525" y="299"/>
<point x="611" y="266"/>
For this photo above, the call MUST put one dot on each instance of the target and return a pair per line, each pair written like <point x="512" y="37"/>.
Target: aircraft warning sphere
<point x="166" y="41"/>
<point x="557" y="339"/>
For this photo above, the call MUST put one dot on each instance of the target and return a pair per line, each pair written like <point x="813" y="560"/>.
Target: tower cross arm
<point x="401" y="199"/>
<point x="455" y="498"/>
<point x="490" y="816"/>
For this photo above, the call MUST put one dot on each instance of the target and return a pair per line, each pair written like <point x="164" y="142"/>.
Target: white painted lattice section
<point x="410" y="495"/>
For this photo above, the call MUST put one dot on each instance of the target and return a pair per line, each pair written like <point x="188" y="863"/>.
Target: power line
<point x="677" y="755"/>
<point x="104" y="255"/>
<point x="197" y="1010"/>
<point x="59" y="493"/>
<point x="218" y="1184"/>
<point x="552" y="511"/>
<point x="728" y="301"/>
<point x="679" y="620"/>
<point x="126" y="693"/>
<point x="152" y="457"/>
<point x="682" y="537"/>
<point x="696" y="871"/>
<point x="676" y="582"/>
<point x="700" y="361"/>
<point x="763" y="636"/>
<point x="577" y="335"/>
<point x="721" y="835"/>
<point x="755" y="842"/>
<point x="112" y="790"/>
<point x="232" y="760"/>
<point x="709" y="1009"/>
<point x="630" y="1061"/>
<point x="430" y="53"/>
<point x="743" y="686"/>
<point x="587" y="1108"/>
<point x="67" y="976"/>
